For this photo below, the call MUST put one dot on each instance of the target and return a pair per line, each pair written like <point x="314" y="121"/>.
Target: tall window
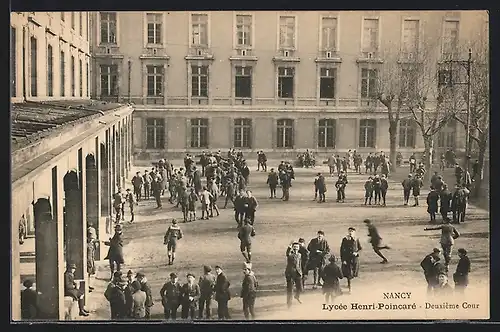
<point x="285" y="133"/>
<point x="13" y="65"/>
<point x="50" y="72"/>
<point x="199" y="27"/>
<point x="88" y="79"/>
<point x="368" y="82"/>
<point x="34" y="67"/>
<point x="410" y="36"/>
<point x="450" y="38"/>
<point x="327" y="83"/>
<point x="73" y="20"/>
<point x="109" y="80"/>
<point x="199" y="81"/>
<point x="407" y="133"/>
<point x="108" y="28"/>
<point x="73" y="88"/>
<point x="244" y="30"/>
<point x="243" y="82"/>
<point x="154" y="28"/>
<point x="81" y="78"/>
<point x="326" y="133"/>
<point x="242" y="133"/>
<point x="287" y="32"/>
<point x="285" y="82"/>
<point x="409" y="81"/>
<point x="199" y="133"/>
<point x="63" y="74"/>
<point x="367" y="131"/>
<point x="80" y="23"/>
<point x="447" y="136"/>
<point x="329" y="33"/>
<point x="155" y="133"/>
<point x="370" y="35"/>
<point x="155" y="81"/>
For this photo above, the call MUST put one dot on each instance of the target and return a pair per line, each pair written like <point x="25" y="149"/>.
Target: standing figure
<point x="190" y="297"/>
<point x="293" y="274"/>
<point x="251" y="206"/>
<point x="349" y="255"/>
<point x="170" y="295"/>
<point x="29" y="301"/>
<point x="428" y="264"/>
<point x="321" y="187"/>
<point x="137" y="183"/>
<point x="146" y="288"/>
<point x="115" y="294"/>
<point x="222" y="294"/>
<point x="23" y="229"/>
<point x="249" y="291"/>
<point x="459" y="204"/>
<point x="432" y="203"/>
<point x="92" y="247"/>
<point x="191" y="205"/>
<point x="448" y="236"/>
<point x="272" y="182"/>
<point x="239" y="208"/>
<point x="146" y="179"/>
<point x="115" y="252"/>
<point x="369" y="190"/>
<point x="376" y="240"/>
<point x="319" y="250"/>
<point x="207" y="286"/>
<point x="214" y="191"/>
<point x="331" y="284"/>
<point x="132" y="202"/>
<point x="376" y="188"/>
<point x="173" y="234"/>
<point x="138" y="310"/>
<point x="245" y="234"/>
<point x="461" y="275"/>
<point x="117" y="205"/>
<point x="407" y="185"/>
<point x="205" y="198"/>
<point x="416" y="184"/>
<point x="445" y="197"/>
<point x="384" y="186"/>
<point x="157" y="190"/>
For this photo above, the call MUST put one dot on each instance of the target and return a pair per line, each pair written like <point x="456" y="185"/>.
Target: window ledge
<point x="155" y="46"/>
<point x="154" y="57"/>
<point x="329" y="60"/>
<point x="243" y="58"/>
<point x="109" y="55"/>
<point x="50" y="31"/>
<point x="285" y="59"/>
<point x="369" y="60"/>
<point x="199" y="57"/>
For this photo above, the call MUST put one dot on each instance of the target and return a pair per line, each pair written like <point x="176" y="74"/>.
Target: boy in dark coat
<point x="146" y="289"/>
<point x="369" y="190"/>
<point x="115" y="252"/>
<point x="376" y="188"/>
<point x="190" y="297"/>
<point x="376" y="240"/>
<point x="461" y="275"/>
<point x="432" y="203"/>
<point x="272" y="182"/>
<point x="319" y="250"/>
<point x="384" y="186"/>
<point x="249" y="291"/>
<point x="445" y="198"/>
<point x="349" y="255"/>
<point x="222" y="294"/>
<point x="429" y="267"/>
<point x="416" y="184"/>
<point x="170" y="295"/>
<point x="331" y="285"/>
<point x="406" y="189"/>
<point x="29" y="301"/>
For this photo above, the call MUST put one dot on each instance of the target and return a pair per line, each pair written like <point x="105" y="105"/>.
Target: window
<point x="155" y="81"/>
<point x="244" y="30"/>
<point x="445" y="78"/>
<point x="370" y="35"/>
<point x="368" y="82"/>
<point x="155" y="133"/>
<point x="81" y="78"/>
<point x="63" y="14"/>
<point x="329" y="33"/>
<point x="410" y="36"/>
<point x="73" y="88"/>
<point x="285" y="133"/>
<point x="80" y="23"/>
<point x="13" y="63"/>
<point x="73" y="20"/>
<point x="327" y="83"/>
<point x="63" y="74"/>
<point x="450" y="38"/>
<point x="367" y="130"/>
<point x="199" y="81"/>
<point x="199" y="27"/>
<point x="285" y="82"/>
<point x="109" y="80"/>
<point x="199" y="133"/>
<point x="108" y="28"/>
<point x="88" y="79"/>
<point x="154" y="28"/>
<point x="287" y="32"/>
<point x="447" y="136"/>
<point x="409" y="81"/>
<point x="407" y="133"/>
<point x="50" y="72"/>
<point x="242" y="133"/>
<point x="243" y="82"/>
<point x="326" y="133"/>
<point x="33" y="72"/>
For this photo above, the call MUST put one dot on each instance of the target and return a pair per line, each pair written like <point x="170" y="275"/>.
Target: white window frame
<point x="209" y="28"/>
<point x="379" y="33"/>
<point x="420" y="32"/>
<point x="295" y="33"/>
<point x="361" y="81"/>
<point x="456" y="20"/>
<point x="191" y="74"/>
<point x="241" y="129"/>
<point x="294" y="77"/>
<point x="163" y="30"/>
<point x="108" y="73"/>
<point x="335" y="78"/>
<point x="235" y="31"/>
<point x="365" y="143"/>
<point x="325" y="138"/>
<point x="410" y="125"/>
<point x="156" y="131"/>
<point x="284" y="133"/>
<point x="199" y="146"/>
<point x="337" y="32"/>
<point x="163" y="80"/>
<point x="99" y="41"/>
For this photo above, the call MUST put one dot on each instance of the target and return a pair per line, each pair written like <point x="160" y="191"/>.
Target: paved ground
<point x="214" y="242"/>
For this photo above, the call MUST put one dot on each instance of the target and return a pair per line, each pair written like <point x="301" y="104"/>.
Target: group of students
<point x="320" y="188"/>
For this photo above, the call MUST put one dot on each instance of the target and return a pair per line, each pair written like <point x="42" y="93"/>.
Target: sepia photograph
<point x="178" y="166"/>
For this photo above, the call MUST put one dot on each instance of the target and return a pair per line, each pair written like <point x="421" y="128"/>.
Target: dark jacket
<point x="29" y="304"/>
<point x="118" y="303"/>
<point x="294" y="265"/>
<point x="432" y="201"/>
<point x="171" y="294"/>
<point x="272" y="179"/>
<point x="222" y="288"/>
<point x="207" y="285"/>
<point x="246" y="233"/>
<point x="115" y="252"/>
<point x="427" y="264"/>
<point x="249" y="286"/>
<point x="331" y="275"/>
<point x="193" y="291"/>
<point x="149" y="296"/>
<point x="445" y="198"/>
<point x="461" y="275"/>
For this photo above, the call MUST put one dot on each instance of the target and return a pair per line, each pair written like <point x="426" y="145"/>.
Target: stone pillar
<point x="130" y="142"/>
<point x="74" y="223"/>
<point x="15" y="259"/>
<point x="123" y="158"/>
<point x="92" y="192"/>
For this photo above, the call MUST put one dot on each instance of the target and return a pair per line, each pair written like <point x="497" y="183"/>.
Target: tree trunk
<point x="478" y="178"/>
<point x="428" y="150"/>
<point x="393" y="131"/>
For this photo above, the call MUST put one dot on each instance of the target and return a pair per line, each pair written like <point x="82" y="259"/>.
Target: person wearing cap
<point x="71" y="290"/>
<point x="461" y="275"/>
<point x="190" y="295"/>
<point x="192" y="198"/>
<point x="118" y="201"/>
<point x="429" y="267"/>
<point x="369" y="190"/>
<point x="272" y="182"/>
<point x="319" y="250"/>
<point x="341" y="185"/>
<point x="222" y="294"/>
<point x="205" y="197"/>
<point x="115" y="252"/>
<point x="156" y="187"/>
<point x="445" y="198"/>
<point x="448" y="236"/>
<point x="249" y="291"/>
<point x="416" y="184"/>
<point x="215" y="193"/>
<point x="141" y="277"/>
<point x="376" y="189"/>
<point x="320" y="188"/>
<point x="207" y="285"/>
<point x="130" y="276"/>
<point x="92" y="247"/>
<point x="384" y="186"/>
<point x="459" y="204"/>
<point x="413" y="162"/>
<point x="349" y="255"/>
<point x="375" y="240"/>
<point x="245" y="234"/>
<point x="29" y="301"/>
<point x="331" y="284"/>
<point x="138" y="307"/>
<point x="293" y="274"/>
<point x="443" y="288"/>
<point x="304" y="255"/>
<point x="137" y="183"/>
<point x="130" y="198"/>
<point x="407" y="185"/>
<point x="116" y="295"/>
<point x="146" y="180"/>
<point x="170" y="295"/>
<point x="432" y="203"/>
<point x="172" y="235"/>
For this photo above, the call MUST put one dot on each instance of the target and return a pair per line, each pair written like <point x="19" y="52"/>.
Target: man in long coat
<point x="319" y="250"/>
<point x="349" y="255"/>
<point x="222" y="294"/>
<point x="115" y="252"/>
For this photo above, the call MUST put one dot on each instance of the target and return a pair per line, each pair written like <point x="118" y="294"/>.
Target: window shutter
<point x="188" y="133"/>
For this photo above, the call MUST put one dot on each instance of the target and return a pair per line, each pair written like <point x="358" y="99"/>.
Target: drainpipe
<point x="129" y="77"/>
<point x="24" y="62"/>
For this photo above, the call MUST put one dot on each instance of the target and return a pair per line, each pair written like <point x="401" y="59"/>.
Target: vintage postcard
<point x="257" y="165"/>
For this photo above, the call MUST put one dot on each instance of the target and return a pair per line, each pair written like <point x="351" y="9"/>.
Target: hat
<point x="301" y="240"/>
<point x="462" y="251"/>
<point x="351" y="229"/>
<point x="140" y="275"/>
<point x="367" y="221"/>
<point x="136" y="285"/>
<point x="174" y="221"/>
<point x="207" y="268"/>
<point x="190" y="275"/>
<point x="128" y="189"/>
<point x="218" y="267"/>
<point x="130" y="272"/>
<point x="28" y="283"/>
<point x="173" y="275"/>
<point x="117" y="274"/>
<point x="71" y="266"/>
<point x="436" y="250"/>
